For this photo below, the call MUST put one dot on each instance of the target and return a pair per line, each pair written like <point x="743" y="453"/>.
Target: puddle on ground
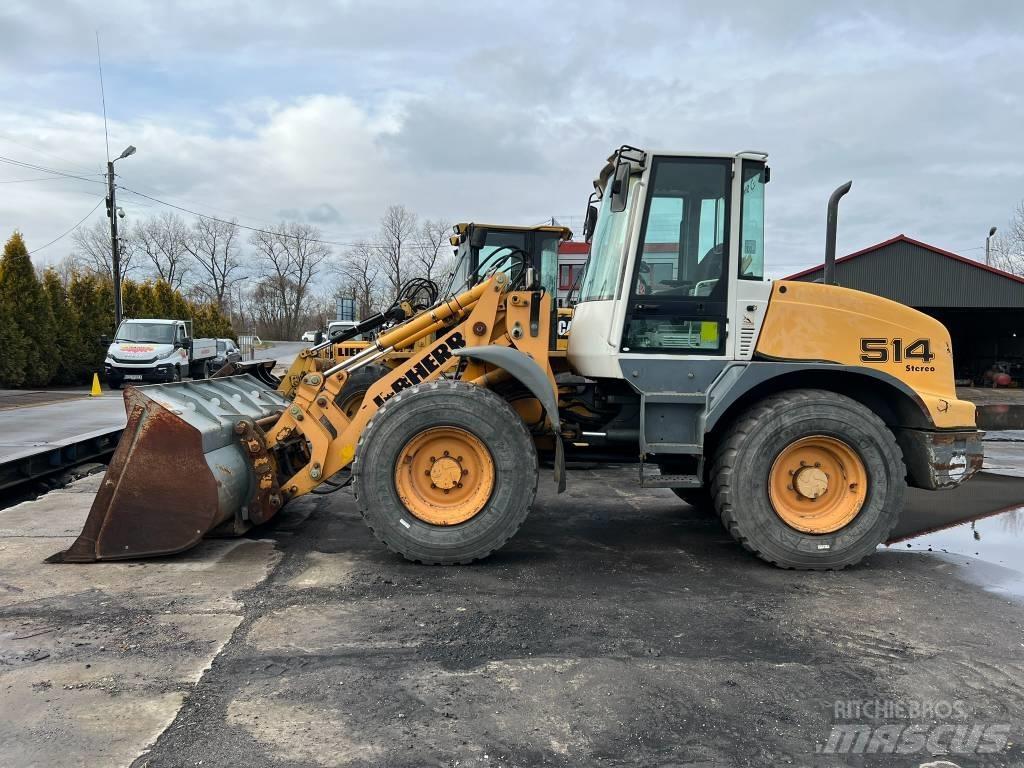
<point x="1003" y="416"/>
<point x="990" y="550"/>
<point x="989" y="542"/>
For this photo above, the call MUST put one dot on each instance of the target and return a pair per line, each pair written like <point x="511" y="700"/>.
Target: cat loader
<point x="799" y="412"/>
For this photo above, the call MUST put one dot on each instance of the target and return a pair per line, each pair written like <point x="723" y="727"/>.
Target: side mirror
<point x="590" y="223"/>
<point x="477" y="238"/>
<point x="620" y="187"/>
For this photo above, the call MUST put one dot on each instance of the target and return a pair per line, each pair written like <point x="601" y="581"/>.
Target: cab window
<point x="751" y="259"/>
<point x="678" y="302"/>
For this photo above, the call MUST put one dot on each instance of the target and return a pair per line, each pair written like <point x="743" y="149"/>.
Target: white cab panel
<point x="748" y="311"/>
<point x="589" y="353"/>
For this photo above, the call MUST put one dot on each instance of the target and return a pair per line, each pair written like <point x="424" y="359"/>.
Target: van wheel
<point x="177" y="373"/>
<point x="809" y="479"/>
<point x="445" y="473"/>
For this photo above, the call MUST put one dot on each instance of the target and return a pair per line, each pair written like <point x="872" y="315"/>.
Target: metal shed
<point x="983" y="307"/>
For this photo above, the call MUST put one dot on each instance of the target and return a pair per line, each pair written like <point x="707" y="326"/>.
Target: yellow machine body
<point x="825" y="323"/>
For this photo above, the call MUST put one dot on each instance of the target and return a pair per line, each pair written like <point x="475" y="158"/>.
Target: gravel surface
<point x="620" y="627"/>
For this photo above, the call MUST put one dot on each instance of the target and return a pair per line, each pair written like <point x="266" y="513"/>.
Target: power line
<point x="103" y="95"/>
<point x="80" y="223"/>
<point x="45" y="169"/>
<point x="264" y="231"/>
<point x="39" y="178"/>
<point x="83" y="169"/>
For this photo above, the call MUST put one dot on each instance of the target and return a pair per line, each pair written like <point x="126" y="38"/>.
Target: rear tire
<point x="437" y="408"/>
<point x="748" y="469"/>
<point x="350" y="397"/>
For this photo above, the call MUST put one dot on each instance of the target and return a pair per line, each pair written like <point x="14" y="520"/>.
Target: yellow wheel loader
<point x="799" y="411"/>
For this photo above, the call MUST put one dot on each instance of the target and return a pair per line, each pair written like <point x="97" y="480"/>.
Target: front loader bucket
<point x="261" y="369"/>
<point x="191" y="459"/>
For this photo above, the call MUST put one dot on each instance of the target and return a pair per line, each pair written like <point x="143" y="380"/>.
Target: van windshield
<point x="149" y="333"/>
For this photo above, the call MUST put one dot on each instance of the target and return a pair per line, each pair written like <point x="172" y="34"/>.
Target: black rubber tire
<point x="434" y="404"/>
<point x="177" y="374"/>
<point x="743" y="461"/>
<point x="114" y="383"/>
<point x="359" y="382"/>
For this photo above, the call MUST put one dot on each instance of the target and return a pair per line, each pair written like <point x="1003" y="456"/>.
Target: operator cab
<point x="677" y="256"/>
<point x="481" y="249"/>
<point x="522" y="253"/>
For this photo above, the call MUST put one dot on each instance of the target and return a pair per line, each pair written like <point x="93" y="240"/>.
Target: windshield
<point x="600" y="281"/>
<point x="149" y="333"/>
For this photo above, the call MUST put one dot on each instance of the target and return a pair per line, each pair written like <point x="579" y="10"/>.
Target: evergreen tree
<point x="12" y="347"/>
<point x="66" y="337"/>
<point x="93" y="300"/>
<point x="137" y="299"/>
<point x="31" y="321"/>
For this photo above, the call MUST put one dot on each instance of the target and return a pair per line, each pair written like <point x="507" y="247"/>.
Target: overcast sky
<point x="505" y="112"/>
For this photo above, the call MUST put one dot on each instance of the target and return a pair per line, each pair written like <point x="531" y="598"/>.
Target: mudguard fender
<point x="525" y="370"/>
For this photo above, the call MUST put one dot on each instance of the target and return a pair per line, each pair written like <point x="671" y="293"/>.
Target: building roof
<point x="573" y="246"/>
<point x="922" y="275"/>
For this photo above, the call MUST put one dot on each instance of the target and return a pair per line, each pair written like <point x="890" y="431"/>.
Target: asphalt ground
<point x="619" y="627"/>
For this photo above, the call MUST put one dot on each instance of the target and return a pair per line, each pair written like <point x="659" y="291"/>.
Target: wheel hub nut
<point x="446" y="473"/>
<point x="810" y="482"/>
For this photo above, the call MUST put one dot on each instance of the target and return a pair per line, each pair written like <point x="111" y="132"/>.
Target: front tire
<point x="809" y="479"/>
<point x="445" y="473"/>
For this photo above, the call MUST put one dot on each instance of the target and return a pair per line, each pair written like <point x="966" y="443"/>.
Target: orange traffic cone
<point x="96" y="391"/>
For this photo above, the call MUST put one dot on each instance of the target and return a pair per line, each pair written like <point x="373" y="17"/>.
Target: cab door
<point x="678" y="299"/>
<point x="676" y="325"/>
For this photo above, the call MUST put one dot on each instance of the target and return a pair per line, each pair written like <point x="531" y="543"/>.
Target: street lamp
<point x="115" y="248"/>
<point x="988" y="242"/>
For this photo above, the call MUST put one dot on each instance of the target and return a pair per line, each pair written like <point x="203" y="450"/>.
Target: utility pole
<point x="115" y="249"/>
<point x="115" y="245"/>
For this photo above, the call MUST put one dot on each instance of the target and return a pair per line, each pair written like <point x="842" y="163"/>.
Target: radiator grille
<point x="747" y="341"/>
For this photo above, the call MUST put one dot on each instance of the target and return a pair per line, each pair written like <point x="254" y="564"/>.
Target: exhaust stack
<point x="829" y="276"/>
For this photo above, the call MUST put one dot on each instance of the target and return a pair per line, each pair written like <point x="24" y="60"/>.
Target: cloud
<point x="334" y="111"/>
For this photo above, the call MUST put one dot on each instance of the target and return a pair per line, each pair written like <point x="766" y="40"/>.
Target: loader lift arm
<point x="244" y="465"/>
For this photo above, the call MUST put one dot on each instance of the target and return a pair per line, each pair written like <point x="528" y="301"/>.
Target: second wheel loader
<point x="799" y="411"/>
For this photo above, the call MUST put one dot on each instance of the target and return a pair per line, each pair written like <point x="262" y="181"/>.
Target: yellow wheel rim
<point x="817" y="484"/>
<point x="444" y="476"/>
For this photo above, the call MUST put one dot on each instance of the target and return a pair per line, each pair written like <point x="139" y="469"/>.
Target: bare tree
<point x="163" y="241"/>
<point x="431" y="256"/>
<point x="213" y="246"/>
<point x="398" y="227"/>
<point x="92" y="250"/>
<point x="360" y="274"/>
<point x="289" y="258"/>
<point x="1008" y="245"/>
